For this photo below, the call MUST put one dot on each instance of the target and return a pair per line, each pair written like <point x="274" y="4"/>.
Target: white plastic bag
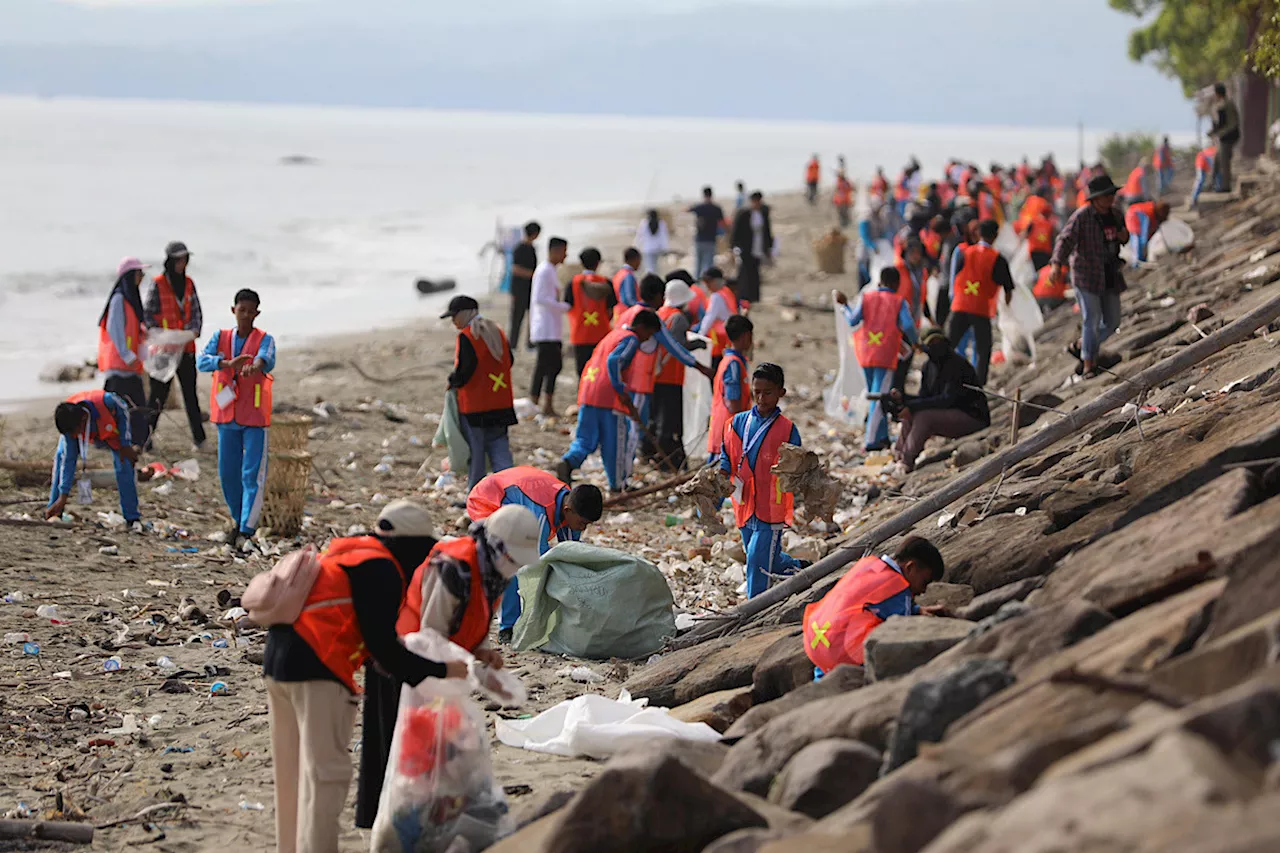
<point x="162" y="350"/>
<point x="440" y="784"/>
<point x="846" y="398"/>
<point x="1174" y="236"/>
<point x="697" y="404"/>
<point x="1019" y="322"/>
<point x="1007" y="241"/>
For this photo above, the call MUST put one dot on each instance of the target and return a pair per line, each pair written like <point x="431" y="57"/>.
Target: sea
<point x="332" y="214"/>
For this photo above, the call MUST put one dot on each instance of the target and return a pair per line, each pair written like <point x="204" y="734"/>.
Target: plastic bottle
<point x="48" y="611"/>
<point x="166" y="664"/>
<point x="16" y="639"/>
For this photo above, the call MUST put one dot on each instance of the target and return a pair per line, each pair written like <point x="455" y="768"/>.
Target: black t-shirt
<point x="524" y="256"/>
<point x="708" y="217"/>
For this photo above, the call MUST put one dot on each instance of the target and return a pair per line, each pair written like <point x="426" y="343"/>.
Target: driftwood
<point x="41" y="465"/>
<point x="993" y="467"/>
<point x="47" y="830"/>
<point x="31" y="522"/>
<point x="626" y="497"/>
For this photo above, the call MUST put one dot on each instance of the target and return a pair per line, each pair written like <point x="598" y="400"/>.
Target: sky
<point x="989" y="62"/>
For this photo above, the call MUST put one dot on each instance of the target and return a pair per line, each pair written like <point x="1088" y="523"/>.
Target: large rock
<point x="1074" y="500"/>
<point x="1030" y="635"/>
<point x="720" y="664"/>
<point x="842" y="679"/>
<point x="982" y="606"/>
<point x="720" y="710"/>
<point x="903" y="643"/>
<point x="935" y="703"/>
<point x="700" y="756"/>
<point x="1004" y="549"/>
<point x="825" y="775"/>
<point x="910" y="814"/>
<point x="1253" y="589"/>
<point x="782" y="668"/>
<point x="952" y="596"/>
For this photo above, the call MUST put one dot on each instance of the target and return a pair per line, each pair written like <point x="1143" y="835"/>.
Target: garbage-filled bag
<point x="598" y="727"/>
<point x="440" y="784"/>
<point x="1007" y="242"/>
<point x="593" y="602"/>
<point x="1019" y="321"/>
<point x="845" y="399"/>
<point x="1173" y="236"/>
<point x="449" y="435"/>
<point x="162" y="349"/>
<point x="697" y="404"/>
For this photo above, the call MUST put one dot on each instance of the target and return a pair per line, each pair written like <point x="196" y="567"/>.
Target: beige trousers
<point x="310" y="750"/>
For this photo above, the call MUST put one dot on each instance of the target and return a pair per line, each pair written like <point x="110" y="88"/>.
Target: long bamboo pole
<point x="959" y="487"/>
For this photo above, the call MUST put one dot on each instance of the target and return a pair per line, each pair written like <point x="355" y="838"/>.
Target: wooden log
<point x="1117" y="396"/>
<point x="678" y="480"/>
<point x="31" y="522"/>
<point x="46" y="830"/>
<point x="1013" y="421"/>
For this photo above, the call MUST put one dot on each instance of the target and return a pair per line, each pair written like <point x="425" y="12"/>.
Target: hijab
<point x="127" y="285"/>
<point x="177" y="282"/>
<point x="491" y="554"/>
<point x="484" y="329"/>
<point x="654" y="222"/>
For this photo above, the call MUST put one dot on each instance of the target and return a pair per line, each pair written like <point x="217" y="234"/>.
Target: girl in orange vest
<point x="120" y="337"/>
<point x="760" y="507"/>
<point x="172" y="303"/>
<point x="980" y="274"/>
<point x="241" y="360"/>
<point x="482" y="379"/>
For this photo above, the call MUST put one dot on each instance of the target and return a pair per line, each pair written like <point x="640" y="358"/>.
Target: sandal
<point x="1073" y="350"/>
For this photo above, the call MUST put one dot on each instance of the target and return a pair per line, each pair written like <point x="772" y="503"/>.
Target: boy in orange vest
<point x="241" y="360"/>
<point x="980" y="274"/>
<point x="836" y="627"/>
<point x="730" y="391"/>
<point x="760" y="507"/>
<point x="99" y="418"/>
<point x="591" y="299"/>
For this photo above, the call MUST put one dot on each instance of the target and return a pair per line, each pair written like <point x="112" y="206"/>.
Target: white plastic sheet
<point x="162" y="350"/>
<point x="1007" y="242"/>
<point x="598" y="727"/>
<point x="845" y="399"/>
<point x="697" y="404"/>
<point x="1173" y="237"/>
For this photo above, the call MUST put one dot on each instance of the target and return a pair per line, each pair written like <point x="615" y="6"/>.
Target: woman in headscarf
<point x="652" y="239"/>
<point x="120" y="335"/>
<point x="482" y="379"/>
<point x="454" y="593"/>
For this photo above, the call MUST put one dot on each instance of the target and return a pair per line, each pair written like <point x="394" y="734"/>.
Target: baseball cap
<point x="517" y="530"/>
<point x="460" y="303"/>
<point x="678" y="294"/>
<point x="176" y="249"/>
<point x="129" y="265"/>
<point x="405" y="518"/>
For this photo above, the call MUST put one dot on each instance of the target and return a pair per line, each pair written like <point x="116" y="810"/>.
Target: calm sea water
<point x="391" y="195"/>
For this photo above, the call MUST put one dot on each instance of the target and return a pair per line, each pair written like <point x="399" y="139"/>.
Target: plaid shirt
<point x="1090" y="242"/>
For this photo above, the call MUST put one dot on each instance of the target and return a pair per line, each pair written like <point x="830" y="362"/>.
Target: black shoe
<point x="564" y="472"/>
<point x="804" y="564"/>
<point x="505" y="635"/>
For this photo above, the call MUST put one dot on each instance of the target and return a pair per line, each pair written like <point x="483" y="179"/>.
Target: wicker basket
<point x="289" y="433"/>
<point x="829" y="251"/>
<point x="286" y="491"/>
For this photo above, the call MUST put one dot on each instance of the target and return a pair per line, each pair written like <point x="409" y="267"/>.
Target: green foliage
<point x="1266" y="48"/>
<point x="1120" y="152"/>
<point x="1195" y="41"/>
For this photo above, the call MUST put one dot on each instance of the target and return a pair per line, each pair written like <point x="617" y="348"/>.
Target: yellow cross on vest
<point x="875" y="339"/>
<point x="971" y="288"/>
<point x="499" y="380"/>
<point x="591" y="318"/>
<point x="819" y="634"/>
<point x="592" y="372"/>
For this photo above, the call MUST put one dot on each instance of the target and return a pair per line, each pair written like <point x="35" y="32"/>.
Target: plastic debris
<point x="251" y="807"/>
<point x="111" y="520"/>
<point x="219" y="688"/>
<point x="16" y="638"/>
<point x="109" y="550"/>
<point x="14" y="598"/>
<point x="48" y="611"/>
<point x="32" y="649"/>
<point x="581" y="674"/>
<point x="112" y="664"/>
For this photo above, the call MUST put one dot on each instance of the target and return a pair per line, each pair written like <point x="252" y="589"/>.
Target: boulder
<point x="718" y="710"/>
<point x="1004" y="549"/>
<point x="719" y="664"/>
<point x="1074" y="500"/>
<point x="910" y="814"/>
<point x="700" y="756"/>
<point x="1024" y="635"/>
<point x="824" y="776"/>
<point x="842" y="679"/>
<point x="745" y="841"/>
<point x="935" y="703"/>
<point x="982" y="606"/>
<point x="952" y="596"/>
<point x="903" y="643"/>
<point x="783" y="667"/>
<point x="1253" y="589"/>
<point x="1224" y="661"/>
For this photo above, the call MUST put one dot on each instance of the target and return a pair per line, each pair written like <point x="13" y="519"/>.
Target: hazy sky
<point x="1014" y="62"/>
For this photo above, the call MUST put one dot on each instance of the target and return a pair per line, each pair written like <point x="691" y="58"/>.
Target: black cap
<point x="460" y="303"/>
<point x="176" y="249"/>
<point x="712" y="274"/>
<point x="1102" y="185"/>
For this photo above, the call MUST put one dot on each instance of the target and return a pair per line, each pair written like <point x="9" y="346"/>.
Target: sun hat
<point x="516" y="530"/>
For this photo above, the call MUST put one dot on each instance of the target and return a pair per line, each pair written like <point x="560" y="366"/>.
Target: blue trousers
<point x="763" y="544"/>
<point x="1099" y="319"/>
<point x="704" y="254"/>
<point x="1166" y="178"/>
<point x="967" y="346"/>
<point x="126" y="478"/>
<point x="490" y="442"/>
<point x="643" y="404"/>
<point x="510" y="605"/>
<point x="877" y="431"/>
<point x="605" y="430"/>
<point x="1201" y="177"/>
<point x="242" y="468"/>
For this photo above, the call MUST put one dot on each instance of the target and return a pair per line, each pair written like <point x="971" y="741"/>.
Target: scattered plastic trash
<point x="14" y="598"/>
<point x="155" y="721"/>
<point x="414" y="441"/>
<point x="163" y="489"/>
<point x="219" y="688"/>
<point x="32" y="649"/>
<point x="685" y="621"/>
<point x="175" y="550"/>
<point x="16" y="638"/>
<point x="1020" y="511"/>
<point x="111" y="520"/>
<point x="168" y="750"/>
<point x="220" y="643"/>
<point x="109" y="550"/>
<point x="581" y="674"/>
<point x="252" y="807"/>
<point x="379" y="498"/>
<point x="77" y="715"/>
<point x="525" y="408"/>
<point x="672" y="520"/>
<point x="162" y="351"/>
<point x="166" y="664"/>
<point x="128" y="726"/>
<point x="112" y="664"/>
<point x="445" y="480"/>
<point x="48" y="611"/>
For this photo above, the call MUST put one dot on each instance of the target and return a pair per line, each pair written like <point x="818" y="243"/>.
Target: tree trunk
<point x="1255" y="110"/>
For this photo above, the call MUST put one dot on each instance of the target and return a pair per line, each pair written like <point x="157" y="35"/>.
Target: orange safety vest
<point x="1162" y="157"/>
<point x="105" y="430"/>
<point x="879" y="185"/>
<point x="1040" y="234"/>
<point x="252" y="404"/>
<point x="475" y="619"/>
<point x="670" y="370"/>
<point x="698" y="304"/>
<point x="644" y="367"/>
<point x="719" y="334"/>
<point x="1133" y="186"/>
<point x="986" y="206"/>
<point x="1031" y="208"/>
<point x="843" y="196"/>
<point x="913" y="289"/>
<point x="594" y="388"/>
<point x="836" y="627"/>
<point x="1131" y="222"/>
<point x="618" y="278"/>
<point x="1205" y="158"/>
<point x="813" y="172"/>
<point x="877" y="340"/>
<point x="900" y="190"/>
<point x="975" y="289"/>
<point x="539" y="486"/>
<point x="175" y="314"/>
<point x="932" y="242"/>
<point x="769" y="504"/>
<point x="588" y="318"/>
<point x="108" y="357"/>
<point x="996" y="185"/>
<point x="489" y="389"/>
<point x="1047" y="288"/>
<point x="328" y="621"/>
<point x="722" y="410"/>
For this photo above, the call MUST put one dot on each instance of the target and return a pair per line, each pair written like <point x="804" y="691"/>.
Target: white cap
<point x="515" y="530"/>
<point x="678" y="293"/>
<point x="405" y="518"/>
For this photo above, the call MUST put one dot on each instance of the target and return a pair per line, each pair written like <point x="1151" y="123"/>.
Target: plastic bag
<point x="162" y="349"/>
<point x="1007" y="242"/>
<point x="697" y="404"/>
<point x="1174" y="236"/>
<point x="1019" y="322"/>
<point x="440" y="784"/>
<point x="846" y="398"/>
<point x="449" y="434"/>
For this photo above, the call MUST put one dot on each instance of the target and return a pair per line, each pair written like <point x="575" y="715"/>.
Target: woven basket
<point x="286" y="491"/>
<point x="829" y="251"/>
<point x="289" y="433"/>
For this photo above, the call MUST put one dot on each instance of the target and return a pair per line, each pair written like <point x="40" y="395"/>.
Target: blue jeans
<point x="1099" y="319"/>
<point x="704" y="254"/>
<point x="126" y="477"/>
<point x="603" y="429"/>
<point x="510" y="605"/>
<point x="486" y="441"/>
<point x="1201" y="177"/>
<point x="242" y="470"/>
<point x="877" y="430"/>
<point x="1166" y="178"/>
<point x="763" y="544"/>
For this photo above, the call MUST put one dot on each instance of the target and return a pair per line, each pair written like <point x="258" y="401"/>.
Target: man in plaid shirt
<point x="1090" y="245"/>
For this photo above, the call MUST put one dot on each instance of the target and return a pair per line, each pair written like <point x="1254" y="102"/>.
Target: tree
<point x="1195" y="41"/>
<point x="1266" y="47"/>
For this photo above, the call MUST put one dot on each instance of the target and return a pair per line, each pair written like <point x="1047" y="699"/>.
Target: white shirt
<point x="648" y="242"/>
<point x="717" y="312"/>
<point x="757" y="233"/>
<point x="546" y="311"/>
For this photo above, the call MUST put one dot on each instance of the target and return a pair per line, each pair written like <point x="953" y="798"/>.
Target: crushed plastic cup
<point x="112" y="519"/>
<point x="32" y="649"/>
<point x="187" y="469"/>
<point x="48" y="611"/>
<point x="251" y="807"/>
<point x="166" y="664"/>
<point x="16" y="638"/>
<point x="219" y="688"/>
<point x="112" y="664"/>
<point x="220" y="643"/>
<point x="14" y="597"/>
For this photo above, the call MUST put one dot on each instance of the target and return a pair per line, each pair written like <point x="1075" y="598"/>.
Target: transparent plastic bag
<point x="845" y="398"/>
<point x="162" y="350"/>
<point x="440" y="784"/>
